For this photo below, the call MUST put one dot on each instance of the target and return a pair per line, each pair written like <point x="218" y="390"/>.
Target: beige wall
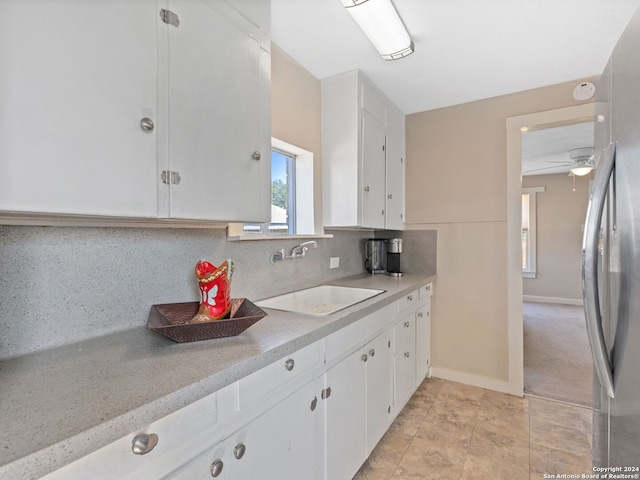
<point x="296" y="114"/>
<point x="457" y="183"/>
<point x="560" y="220"/>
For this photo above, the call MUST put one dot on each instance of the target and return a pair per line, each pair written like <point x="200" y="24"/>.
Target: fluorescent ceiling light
<point x="380" y="22"/>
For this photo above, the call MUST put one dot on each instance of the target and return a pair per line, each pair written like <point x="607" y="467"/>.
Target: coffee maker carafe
<point x="393" y="249"/>
<point x="375" y="254"/>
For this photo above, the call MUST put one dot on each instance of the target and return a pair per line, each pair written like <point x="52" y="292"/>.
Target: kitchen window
<point x="528" y="231"/>
<point x="292" y="192"/>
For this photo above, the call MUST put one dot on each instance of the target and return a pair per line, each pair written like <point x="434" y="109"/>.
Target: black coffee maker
<point x="394" y="249"/>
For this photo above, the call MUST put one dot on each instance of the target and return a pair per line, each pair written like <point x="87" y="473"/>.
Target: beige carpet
<point x="557" y="357"/>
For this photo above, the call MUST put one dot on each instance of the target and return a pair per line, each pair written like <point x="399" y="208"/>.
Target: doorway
<point x="515" y="127"/>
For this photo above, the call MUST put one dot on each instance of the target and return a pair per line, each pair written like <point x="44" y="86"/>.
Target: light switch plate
<point x="334" y="262"/>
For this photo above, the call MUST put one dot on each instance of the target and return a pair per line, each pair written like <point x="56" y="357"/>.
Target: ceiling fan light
<point x="581" y="171"/>
<point x="380" y="22"/>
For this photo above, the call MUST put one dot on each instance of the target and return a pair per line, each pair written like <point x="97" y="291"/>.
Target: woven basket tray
<point x="172" y="321"/>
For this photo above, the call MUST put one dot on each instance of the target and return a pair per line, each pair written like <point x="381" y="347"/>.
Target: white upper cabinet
<point x="363" y="155"/>
<point x="114" y="109"/>
<point x="76" y="80"/>
<point x="219" y="136"/>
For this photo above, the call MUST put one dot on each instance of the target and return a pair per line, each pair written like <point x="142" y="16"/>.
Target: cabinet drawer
<point x="178" y="437"/>
<point x="426" y="291"/>
<point x="408" y="301"/>
<point x="404" y="331"/>
<point x="253" y="388"/>
<point x="353" y="336"/>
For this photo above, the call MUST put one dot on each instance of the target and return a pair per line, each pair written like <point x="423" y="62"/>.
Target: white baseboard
<point x="563" y="301"/>
<point x="472" y="379"/>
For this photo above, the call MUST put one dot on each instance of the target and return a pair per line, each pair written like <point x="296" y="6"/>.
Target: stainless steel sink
<point x="319" y="301"/>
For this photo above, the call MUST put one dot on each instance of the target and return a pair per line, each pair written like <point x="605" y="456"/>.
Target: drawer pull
<point x="239" y="450"/>
<point x="289" y="364"/>
<point x="410" y="298"/>
<point x="216" y="468"/>
<point x="372" y="352"/>
<point x="364" y="357"/>
<point x="314" y="403"/>
<point x="407" y="324"/>
<point x="420" y="314"/>
<point x="406" y="354"/>
<point x="144" y="443"/>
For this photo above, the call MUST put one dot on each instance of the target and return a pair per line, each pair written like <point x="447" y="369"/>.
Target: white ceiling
<point x="465" y="50"/>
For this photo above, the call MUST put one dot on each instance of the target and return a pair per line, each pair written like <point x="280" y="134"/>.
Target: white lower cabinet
<point x="404" y="363"/>
<point x="279" y="444"/>
<point x="345" y="418"/>
<point x="315" y="414"/>
<point x="423" y="334"/>
<point x="358" y="395"/>
<point x="379" y="389"/>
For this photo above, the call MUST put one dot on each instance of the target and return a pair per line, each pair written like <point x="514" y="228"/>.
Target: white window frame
<point x="531" y="270"/>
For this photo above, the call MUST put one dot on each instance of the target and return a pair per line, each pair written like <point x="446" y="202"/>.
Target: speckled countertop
<point x="61" y="404"/>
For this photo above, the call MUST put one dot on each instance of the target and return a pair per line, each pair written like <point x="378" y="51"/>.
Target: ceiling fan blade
<point x="541" y="169"/>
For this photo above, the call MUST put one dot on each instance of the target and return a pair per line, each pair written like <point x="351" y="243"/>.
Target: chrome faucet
<point x="299" y="251"/>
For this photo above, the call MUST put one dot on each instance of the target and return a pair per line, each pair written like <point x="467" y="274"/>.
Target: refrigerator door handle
<point x="590" y="254"/>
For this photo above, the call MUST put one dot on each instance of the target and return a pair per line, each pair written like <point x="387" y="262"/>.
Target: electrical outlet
<point x="334" y="262"/>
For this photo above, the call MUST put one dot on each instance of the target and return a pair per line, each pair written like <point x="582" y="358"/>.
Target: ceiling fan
<point x="582" y="162"/>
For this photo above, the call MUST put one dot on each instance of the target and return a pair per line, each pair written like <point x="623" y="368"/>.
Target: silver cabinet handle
<point x="407" y="324"/>
<point x="256" y="155"/>
<point x="364" y="357"/>
<point x="406" y="355"/>
<point x="314" y="403"/>
<point x="144" y="443"/>
<point x="590" y="269"/>
<point x="410" y="298"/>
<point x="146" y="124"/>
<point x="216" y="468"/>
<point x="239" y="450"/>
<point x="366" y="189"/>
<point x="372" y="352"/>
<point x="289" y="364"/>
<point x="390" y="196"/>
<point x="420" y="314"/>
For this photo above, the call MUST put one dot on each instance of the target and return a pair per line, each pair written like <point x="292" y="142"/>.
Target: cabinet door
<point x="423" y="342"/>
<point x="404" y="374"/>
<point x="77" y="78"/>
<point x="373" y="173"/>
<point x="395" y="184"/>
<point x="345" y="418"/>
<point x="379" y="388"/>
<point x="218" y="113"/>
<point x="279" y="444"/>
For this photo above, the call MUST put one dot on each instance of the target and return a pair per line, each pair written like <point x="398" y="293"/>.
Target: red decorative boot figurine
<point x="215" y="287"/>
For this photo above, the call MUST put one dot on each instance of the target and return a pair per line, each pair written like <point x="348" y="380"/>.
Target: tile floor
<point x="454" y="431"/>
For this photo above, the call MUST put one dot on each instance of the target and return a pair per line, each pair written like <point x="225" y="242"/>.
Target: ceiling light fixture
<point x="581" y="171"/>
<point x="380" y="22"/>
<point x="584" y="159"/>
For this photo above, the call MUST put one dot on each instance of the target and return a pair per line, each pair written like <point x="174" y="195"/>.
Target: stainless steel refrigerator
<point x="611" y="259"/>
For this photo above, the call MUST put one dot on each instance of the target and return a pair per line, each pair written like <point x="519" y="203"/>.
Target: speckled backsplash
<point x="60" y="285"/>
